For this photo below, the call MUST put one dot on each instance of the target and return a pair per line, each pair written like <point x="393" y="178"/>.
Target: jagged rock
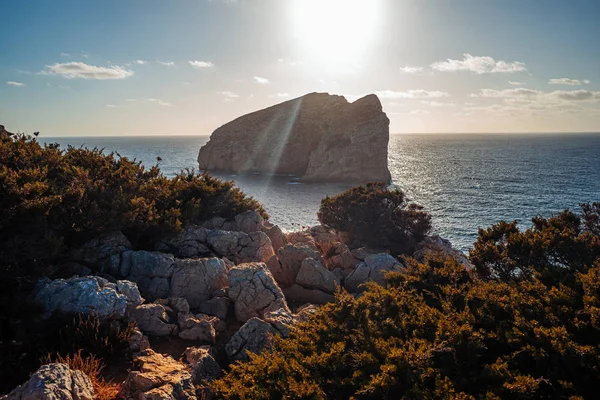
<point x="302" y="238"/>
<point x="278" y="238"/>
<point x="151" y="271"/>
<point x="323" y="236"/>
<point x="138" y="342"/>
<point x="326" y="139"/>
<point x="436" y="245"/>
<point x="254" y="291"/>
<point x="363" y="252"/>
<point x="254" y="336"/>
<point x="305" y="311"/>
<point x="91" y="295"/>
<point x="220" y="223"/>
<point x="203" y="364"/>
<point x="158" y="377"/>
<point x="299" y="295"/>
<point x="373" y="268"/>
<point x="342" y="258"/>
<point x="313" y="275"/>
<point x="187" y="244"/>
<point x="177" y="305"/>
<point x="217" y="306"/>
<point x="196" y="279"/>
<point x="152" y="319"/>
<point x="54" y="382"/>
<point x="103" y="252"/>
<point x="192" y="328"/>
<point x="249" y="221"/>
<point x="282" y="320"/>
<point x="290" y="260"/>
<point x="241" y="247"/>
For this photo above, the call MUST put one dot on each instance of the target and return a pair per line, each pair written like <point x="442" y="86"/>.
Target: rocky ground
<point x="215" y="292"/>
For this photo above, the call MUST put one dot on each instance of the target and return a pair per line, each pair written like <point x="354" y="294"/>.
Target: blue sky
<point x="186" y="67"/>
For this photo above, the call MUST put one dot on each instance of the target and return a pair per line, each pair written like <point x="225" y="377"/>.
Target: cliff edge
<point x="320" y="137"/>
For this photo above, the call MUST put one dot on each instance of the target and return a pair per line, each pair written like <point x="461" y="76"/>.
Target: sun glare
<point x="334" y="32"/>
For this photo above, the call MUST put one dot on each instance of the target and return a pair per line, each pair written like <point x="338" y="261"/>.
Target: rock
<point x="290" y="260"/>
<point x="364" y="252"/>
<point x="203" y="364"/>
<point x="318" y="136"/>
<point x="254" y="291"/>
<point x="282" y="320"/>
<point x="177" y="305"/>
<point x="436" y="245"/>
<point x="54" y="382"/>
<point x="254" y="336"/>
<point x="313" y="275"/>
<point x="305" y="311"/>
<point x="302" y="238"/>
<point x="217" y="306"/>
<point x="323" y="236"/>
<point x="151" y="271"/>
<point x="152" y="319"/>
<point x="299" y="295"/>
<point x="220" y="223"/>
<point x="4" y="133"/>
<point x="192" y="328"/>
<point x="373" y="268"/>
<point x="249" y="221"/>
<point x="196" y="279"/>
<point x="241" y="247"/>
<point x="158" y="377"/>
<point x="278" y="238"/>
<point x="90" y="295"/>
<point x="342" y="258"/>
<point x="138" y="342"/>
<point x="103" y="252"/>
<point x="187" y="244"/>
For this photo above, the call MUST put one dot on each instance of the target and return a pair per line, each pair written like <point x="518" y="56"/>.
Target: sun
<point x="334" y="32"/>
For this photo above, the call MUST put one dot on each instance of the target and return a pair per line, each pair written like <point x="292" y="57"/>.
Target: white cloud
<point x="13" y="83"/>
<point x="141" y="62"/>
<point x="279" y="95"/>
<point x="587" y="81"/>
<point x="411" y="70"/>
<point x="523" y="93"/>
<point x="262" y="81"/>
<point x="166" y="63"/>
<point x="287" y="61"/>
<point x="229" y="95"/>
<point x="437" y="104"/>
<point x="566" y="81"/>
<point x="419" y="112"/>
<point x="151" y="100"/>
<point x="411" y="94"/>
<point x="515" y="83"/>
<point x="73" y="70"/>
<point x="478" y="65"/>
<point x="65" y="55"/>
<point x="201" y="64"/>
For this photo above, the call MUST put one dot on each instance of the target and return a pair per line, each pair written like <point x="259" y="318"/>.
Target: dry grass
<point x="92" y="367"/>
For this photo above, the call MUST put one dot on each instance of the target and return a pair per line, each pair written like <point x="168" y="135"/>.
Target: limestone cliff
<point x="319" y="137"/>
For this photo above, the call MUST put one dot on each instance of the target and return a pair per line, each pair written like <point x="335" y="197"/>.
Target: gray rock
<point x="152" y="319"/>
<point x="373" y="268"/>
<point x="220" y="223"/>
<point x="203" y="364"/>
<point x="98" y="252"/>
<point x="192" y="328"/>
<point x="196" y="279"/>
<point x="298" y="295"/>
<point x="151" y="271"/>
<point x="278" y="238"/>
<point x="254" y="336"/>
<point x="217" y="306"/>
<point x="191" y="242"/>
<point x="254" y="291"/>
<point x="282" y="320"/>
<point x="241" y="247"/>
<point x="437" y="246"/>
<point x="90" y="295"/>
<point x="302" y="238"/>
<point x="305" y="312"/>
<point x="176" y="305"/>
<point x="313" y="275"/>
<point x="138" y="342"/>
<point x="249" y="221"/>
<point x="290" y="260"/>
<point x="326" y="139"/>
<point x="54" y="382"/>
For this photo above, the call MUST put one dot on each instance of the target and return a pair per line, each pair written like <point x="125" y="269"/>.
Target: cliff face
<point x="319" y="137"/>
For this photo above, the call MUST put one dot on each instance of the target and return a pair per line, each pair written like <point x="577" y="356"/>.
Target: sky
<point x="155" y="67"/>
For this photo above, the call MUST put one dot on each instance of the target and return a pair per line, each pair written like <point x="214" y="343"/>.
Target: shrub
<point x="439" y="330"/>
<point x="376" y="216"/>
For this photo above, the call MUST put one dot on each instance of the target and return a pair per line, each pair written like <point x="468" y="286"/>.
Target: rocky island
<point x="319" y="137"/>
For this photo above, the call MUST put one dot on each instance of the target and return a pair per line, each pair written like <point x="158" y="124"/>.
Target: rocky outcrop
<point x="102" y="253"/>
<point x="90" y="295"/>
<point x="196" y="280"/>
<point x="313" y="275"/>
<point x="373" y="268"/>
<point x="254" y="291"/>
<point x="288" y="263"/>
<point x="203" y="364"/>
<point x="241" y="247"/>
<point x="254" y="336"/>
<point x="54" y="382"/>
<point x="435" y="246"/>
<point x="152" y="319"/>
<point x="319" y="137"/>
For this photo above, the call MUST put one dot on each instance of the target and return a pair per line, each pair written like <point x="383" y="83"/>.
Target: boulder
<point x="193" y="328"/>
<point x="254" y="291"/>
<point x="302" y="238"/>
<point x="189" y="243"/>
<point x="90" y="295"/>
<point x="318" y="136"/>
<point x="153" y="319"/>
<point x="54" y="382"/>
<point x="436" y="245"/>
<point x="203" y="364"/>
<point x="151" y="271"/>
<point x="373" y="268"/>
<point x="138" y="342"/>
<point x="241" y="247"/>
<point x="158" y="377"/>
<point x="196" y="279"/>
<point x="217" y="306"/>
<point x="305" y="311"/>
<point x="249" y="221"/>
<point x="298" y="295"/>
<point x="103" y="252"/>
<point x="220" y="223"/>
<point x="282" y="320"/>
<point x="254" y="336"/>
<point x="313" y="275"/>
<point x="278" y="238"/>
<point x="290" y="260"/>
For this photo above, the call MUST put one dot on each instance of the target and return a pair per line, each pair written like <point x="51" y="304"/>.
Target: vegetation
<point x="524" y="324"/>
<point x="373" y="215"/>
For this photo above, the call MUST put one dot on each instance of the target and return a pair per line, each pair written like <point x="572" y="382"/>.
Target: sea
<point x="466" y="181"/>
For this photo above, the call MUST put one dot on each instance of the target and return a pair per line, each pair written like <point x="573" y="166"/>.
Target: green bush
<point x="375" y="216"/>
<point x="440" y="331"/>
